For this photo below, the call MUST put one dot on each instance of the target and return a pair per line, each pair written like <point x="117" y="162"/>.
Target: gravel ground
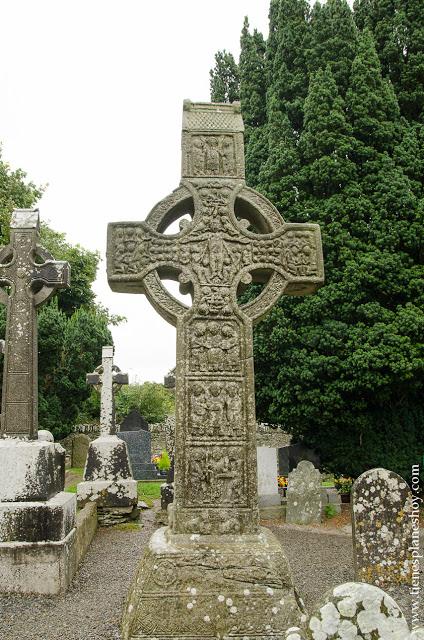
<point x="321" y="560"/>
<point x="91" y="609"/>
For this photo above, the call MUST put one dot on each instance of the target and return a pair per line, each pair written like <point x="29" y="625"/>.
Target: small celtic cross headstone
<point x="107" y="378"/>
<point x="28" y="276"/>
<point x="213" y="572"/>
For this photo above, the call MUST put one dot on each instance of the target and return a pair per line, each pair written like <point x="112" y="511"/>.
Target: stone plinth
<point x="304" y="499"/>
<point x="107" y="478"/>
<point x="382" y="529"/>
<point x="30" y="470"/>
<point x="140" y="453"/>
<point x="207" y="585"/>
<point x="37" y="518"/>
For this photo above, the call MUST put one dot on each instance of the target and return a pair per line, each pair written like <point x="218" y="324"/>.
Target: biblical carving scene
<point x="214" y="346"/>
<point x="212" y="155"/>
<point x="215" y="476"/>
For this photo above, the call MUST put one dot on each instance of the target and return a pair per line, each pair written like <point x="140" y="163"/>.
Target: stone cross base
<point x="44" y="568"/>
<point x="211" y="587"/>
<point x="37" y="518"/>
<point x="108" y="478"/>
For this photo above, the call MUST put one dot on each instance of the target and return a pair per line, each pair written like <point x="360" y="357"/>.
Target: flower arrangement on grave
<point x="282" y="482"/>
<point x="343" y="484"/>
<point x="155" y="459"/>
<point x="164" y="462"/>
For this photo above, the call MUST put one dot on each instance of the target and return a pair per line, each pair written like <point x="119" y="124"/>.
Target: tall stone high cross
<point x="28" y="276"/>
<point x="107" y="378"/>
<point x="215" y="572"/>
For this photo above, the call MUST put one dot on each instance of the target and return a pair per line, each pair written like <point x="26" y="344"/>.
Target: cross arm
<point x="120" y="378"/>
<point x="92" y="378"/>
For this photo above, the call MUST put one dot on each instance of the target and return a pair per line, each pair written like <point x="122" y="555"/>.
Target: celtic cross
<point x="234" y="236"/>
<point x="29" y="276"/>
<point x="106" y="378"/>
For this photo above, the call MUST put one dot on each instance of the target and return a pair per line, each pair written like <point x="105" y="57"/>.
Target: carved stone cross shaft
<point x="234" y="235"/>
<point x="107" y="378"/>
<point x="29" y="276"/>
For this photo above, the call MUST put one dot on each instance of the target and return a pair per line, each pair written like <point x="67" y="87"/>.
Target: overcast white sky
<point x="91" y="96"/>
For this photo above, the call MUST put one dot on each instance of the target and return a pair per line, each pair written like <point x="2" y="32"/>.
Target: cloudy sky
<point x="91" y="96"/>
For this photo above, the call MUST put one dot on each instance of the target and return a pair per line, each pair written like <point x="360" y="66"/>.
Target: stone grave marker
<point x="382" y="528"/>
<point x="80" y="444"/>
<point x="213" y="570"/>
<point x="139" y="444"/>
<point x="269" y="499"/>
<point x="108" y="479"/>
<point x="134" y="421"/>
<point x="304" y="499"/>
<point x="37" y="518"/>
<point x="44" y="434"/>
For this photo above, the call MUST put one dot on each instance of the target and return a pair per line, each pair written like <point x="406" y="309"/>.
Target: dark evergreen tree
<point x="333" y="36"/>
<point x="398" y="29"/>
<point x="224" y="78"/>
<point x="253" y="100"/>
<point x="288" y="79"/>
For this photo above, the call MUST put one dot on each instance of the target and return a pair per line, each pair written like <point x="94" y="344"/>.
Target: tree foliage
<point x="151" y="399"/>
<point x="343" y="370"/>
<point x="224" y="78"/>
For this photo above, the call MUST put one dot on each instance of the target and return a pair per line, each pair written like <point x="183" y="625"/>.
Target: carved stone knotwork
<point x="26" y="283"/>
<point x="229" y="236"/>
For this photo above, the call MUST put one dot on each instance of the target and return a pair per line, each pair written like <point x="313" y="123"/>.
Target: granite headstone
<point x="134" y="421"/>
<point x="139" y="445"/>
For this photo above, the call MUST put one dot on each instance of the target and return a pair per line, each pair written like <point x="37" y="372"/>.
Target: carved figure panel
<point x="215" y="346"/>
<point x="212" y="155"/>
<point x="216" y="410"/>
<point x="215" y="476"/>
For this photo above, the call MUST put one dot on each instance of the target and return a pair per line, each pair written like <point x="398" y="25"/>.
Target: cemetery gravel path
<point x="91" y="609"/>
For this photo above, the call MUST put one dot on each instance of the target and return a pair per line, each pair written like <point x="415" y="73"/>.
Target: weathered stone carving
<point x="31" y="283"/>
<point x="37" y="518"/>
<point x="382" y="528"/>
<point x="234" y="236"/>
<point x="108" y="478"/>
<point x="304" y="498"/>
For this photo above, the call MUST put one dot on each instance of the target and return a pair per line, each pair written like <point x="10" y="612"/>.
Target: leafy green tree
<point x="224" y="78"/>
<point x="151" y="399"/>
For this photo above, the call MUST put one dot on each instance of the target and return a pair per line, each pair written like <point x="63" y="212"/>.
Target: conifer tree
<point x="398" y="30"/>
<point x="224" y="78"/>
<point x="253" y="99"/>
<point x="333" y="36"/>
<point x="288" y="80"/>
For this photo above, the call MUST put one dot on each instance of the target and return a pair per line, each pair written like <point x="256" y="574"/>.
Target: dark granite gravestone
<point x="139" y="444"/>
<point x="290" y="456"/>
<point x="134" y="422"/>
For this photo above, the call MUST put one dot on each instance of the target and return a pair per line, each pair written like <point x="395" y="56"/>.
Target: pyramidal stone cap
<point x="25" y="219"/>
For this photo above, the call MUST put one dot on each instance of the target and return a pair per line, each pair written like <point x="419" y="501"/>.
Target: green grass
<point x="149" y="491"/>
<point x="75" y="475"/>
<point x="127" y="526"/>
<point x="327" y="483"/>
